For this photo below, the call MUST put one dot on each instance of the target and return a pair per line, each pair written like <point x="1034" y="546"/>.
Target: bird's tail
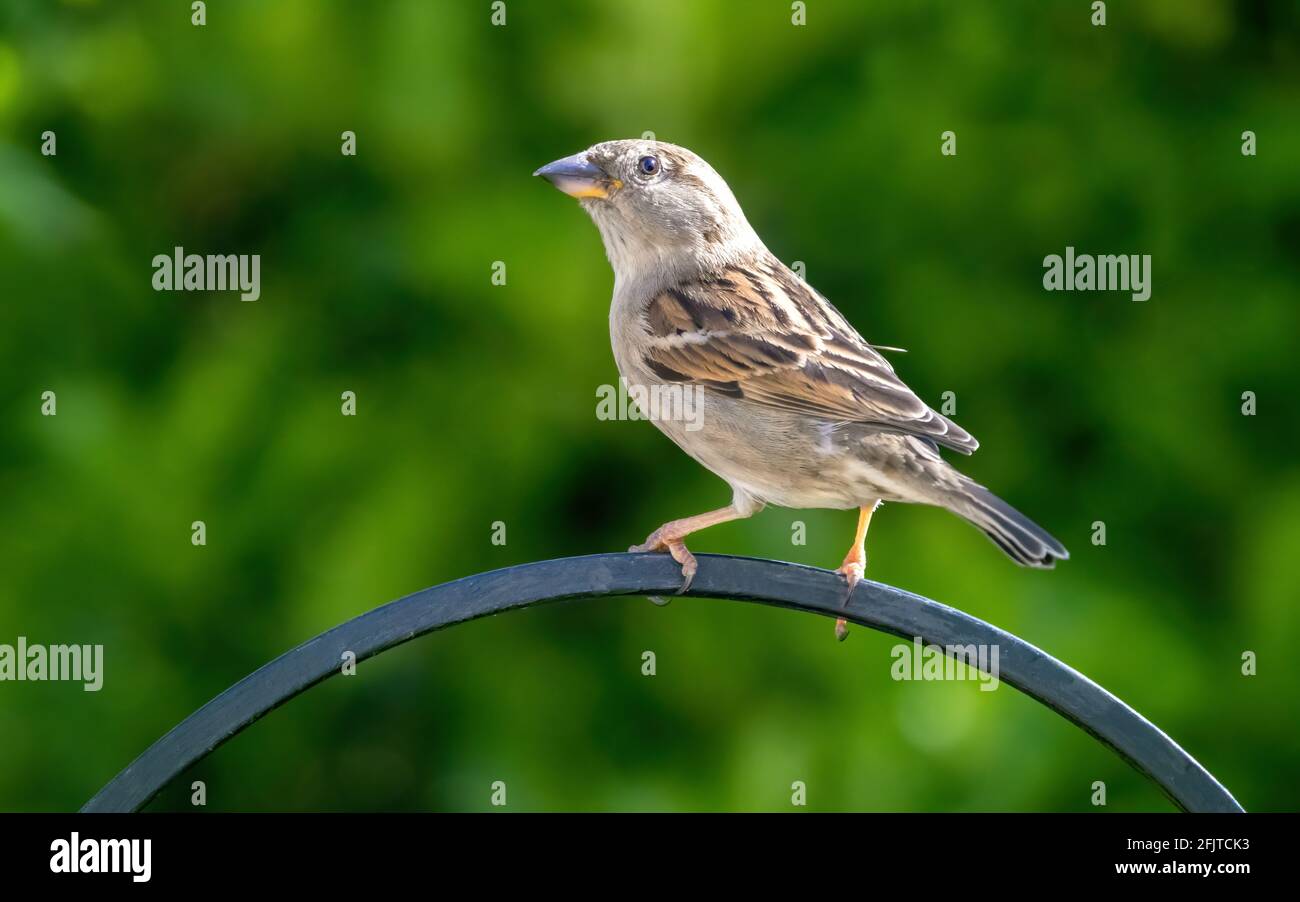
<point x="1024" y="541"/>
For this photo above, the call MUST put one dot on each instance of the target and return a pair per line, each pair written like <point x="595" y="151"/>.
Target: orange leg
<point x="669" y="538"/>
<point x="855" y="564"/>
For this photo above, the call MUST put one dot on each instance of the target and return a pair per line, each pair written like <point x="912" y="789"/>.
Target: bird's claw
<point x="683" y="556"/>
<point x="680" y="553"/>
<point x="852" y="571"/>
<point x="650" y="545"/>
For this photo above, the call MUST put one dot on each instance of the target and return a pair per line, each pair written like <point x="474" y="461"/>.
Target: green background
<point x="476" y="403"/>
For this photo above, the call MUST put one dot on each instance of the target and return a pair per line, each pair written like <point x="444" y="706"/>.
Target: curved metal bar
<point x="880" y="607"/>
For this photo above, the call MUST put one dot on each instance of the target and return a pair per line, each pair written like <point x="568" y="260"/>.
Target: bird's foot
<point x="661" y="541"/>
<point x="852" y="571"/>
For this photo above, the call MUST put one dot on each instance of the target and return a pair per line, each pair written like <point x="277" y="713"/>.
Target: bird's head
<point x="661" y="210"/>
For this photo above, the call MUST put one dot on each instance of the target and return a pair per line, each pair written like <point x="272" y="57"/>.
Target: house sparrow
<point x="798" y="410"/>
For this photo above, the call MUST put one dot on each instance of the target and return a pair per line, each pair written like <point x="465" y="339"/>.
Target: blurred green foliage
<point x="476" y="403"/>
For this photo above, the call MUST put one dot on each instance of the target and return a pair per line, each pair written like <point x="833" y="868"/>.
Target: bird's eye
<point x="648" y="165"/>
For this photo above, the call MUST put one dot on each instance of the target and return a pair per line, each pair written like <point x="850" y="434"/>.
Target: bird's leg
<point x="855" y="564"/>
<point x="669" y="538"/>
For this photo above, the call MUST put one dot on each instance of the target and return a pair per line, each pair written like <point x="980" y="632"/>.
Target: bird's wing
<point x="759" y="332"/>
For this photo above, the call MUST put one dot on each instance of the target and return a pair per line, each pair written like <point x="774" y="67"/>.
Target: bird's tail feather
<point x="1024" y="541"/>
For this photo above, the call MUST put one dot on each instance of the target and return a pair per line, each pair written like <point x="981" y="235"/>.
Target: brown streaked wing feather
<point x="761" y="333"/>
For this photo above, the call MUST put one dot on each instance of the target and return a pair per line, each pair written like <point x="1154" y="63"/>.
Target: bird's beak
<point x="578" y="177"/>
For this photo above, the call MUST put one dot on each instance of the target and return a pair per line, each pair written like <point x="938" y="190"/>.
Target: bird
<point x="796" y="408"/>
